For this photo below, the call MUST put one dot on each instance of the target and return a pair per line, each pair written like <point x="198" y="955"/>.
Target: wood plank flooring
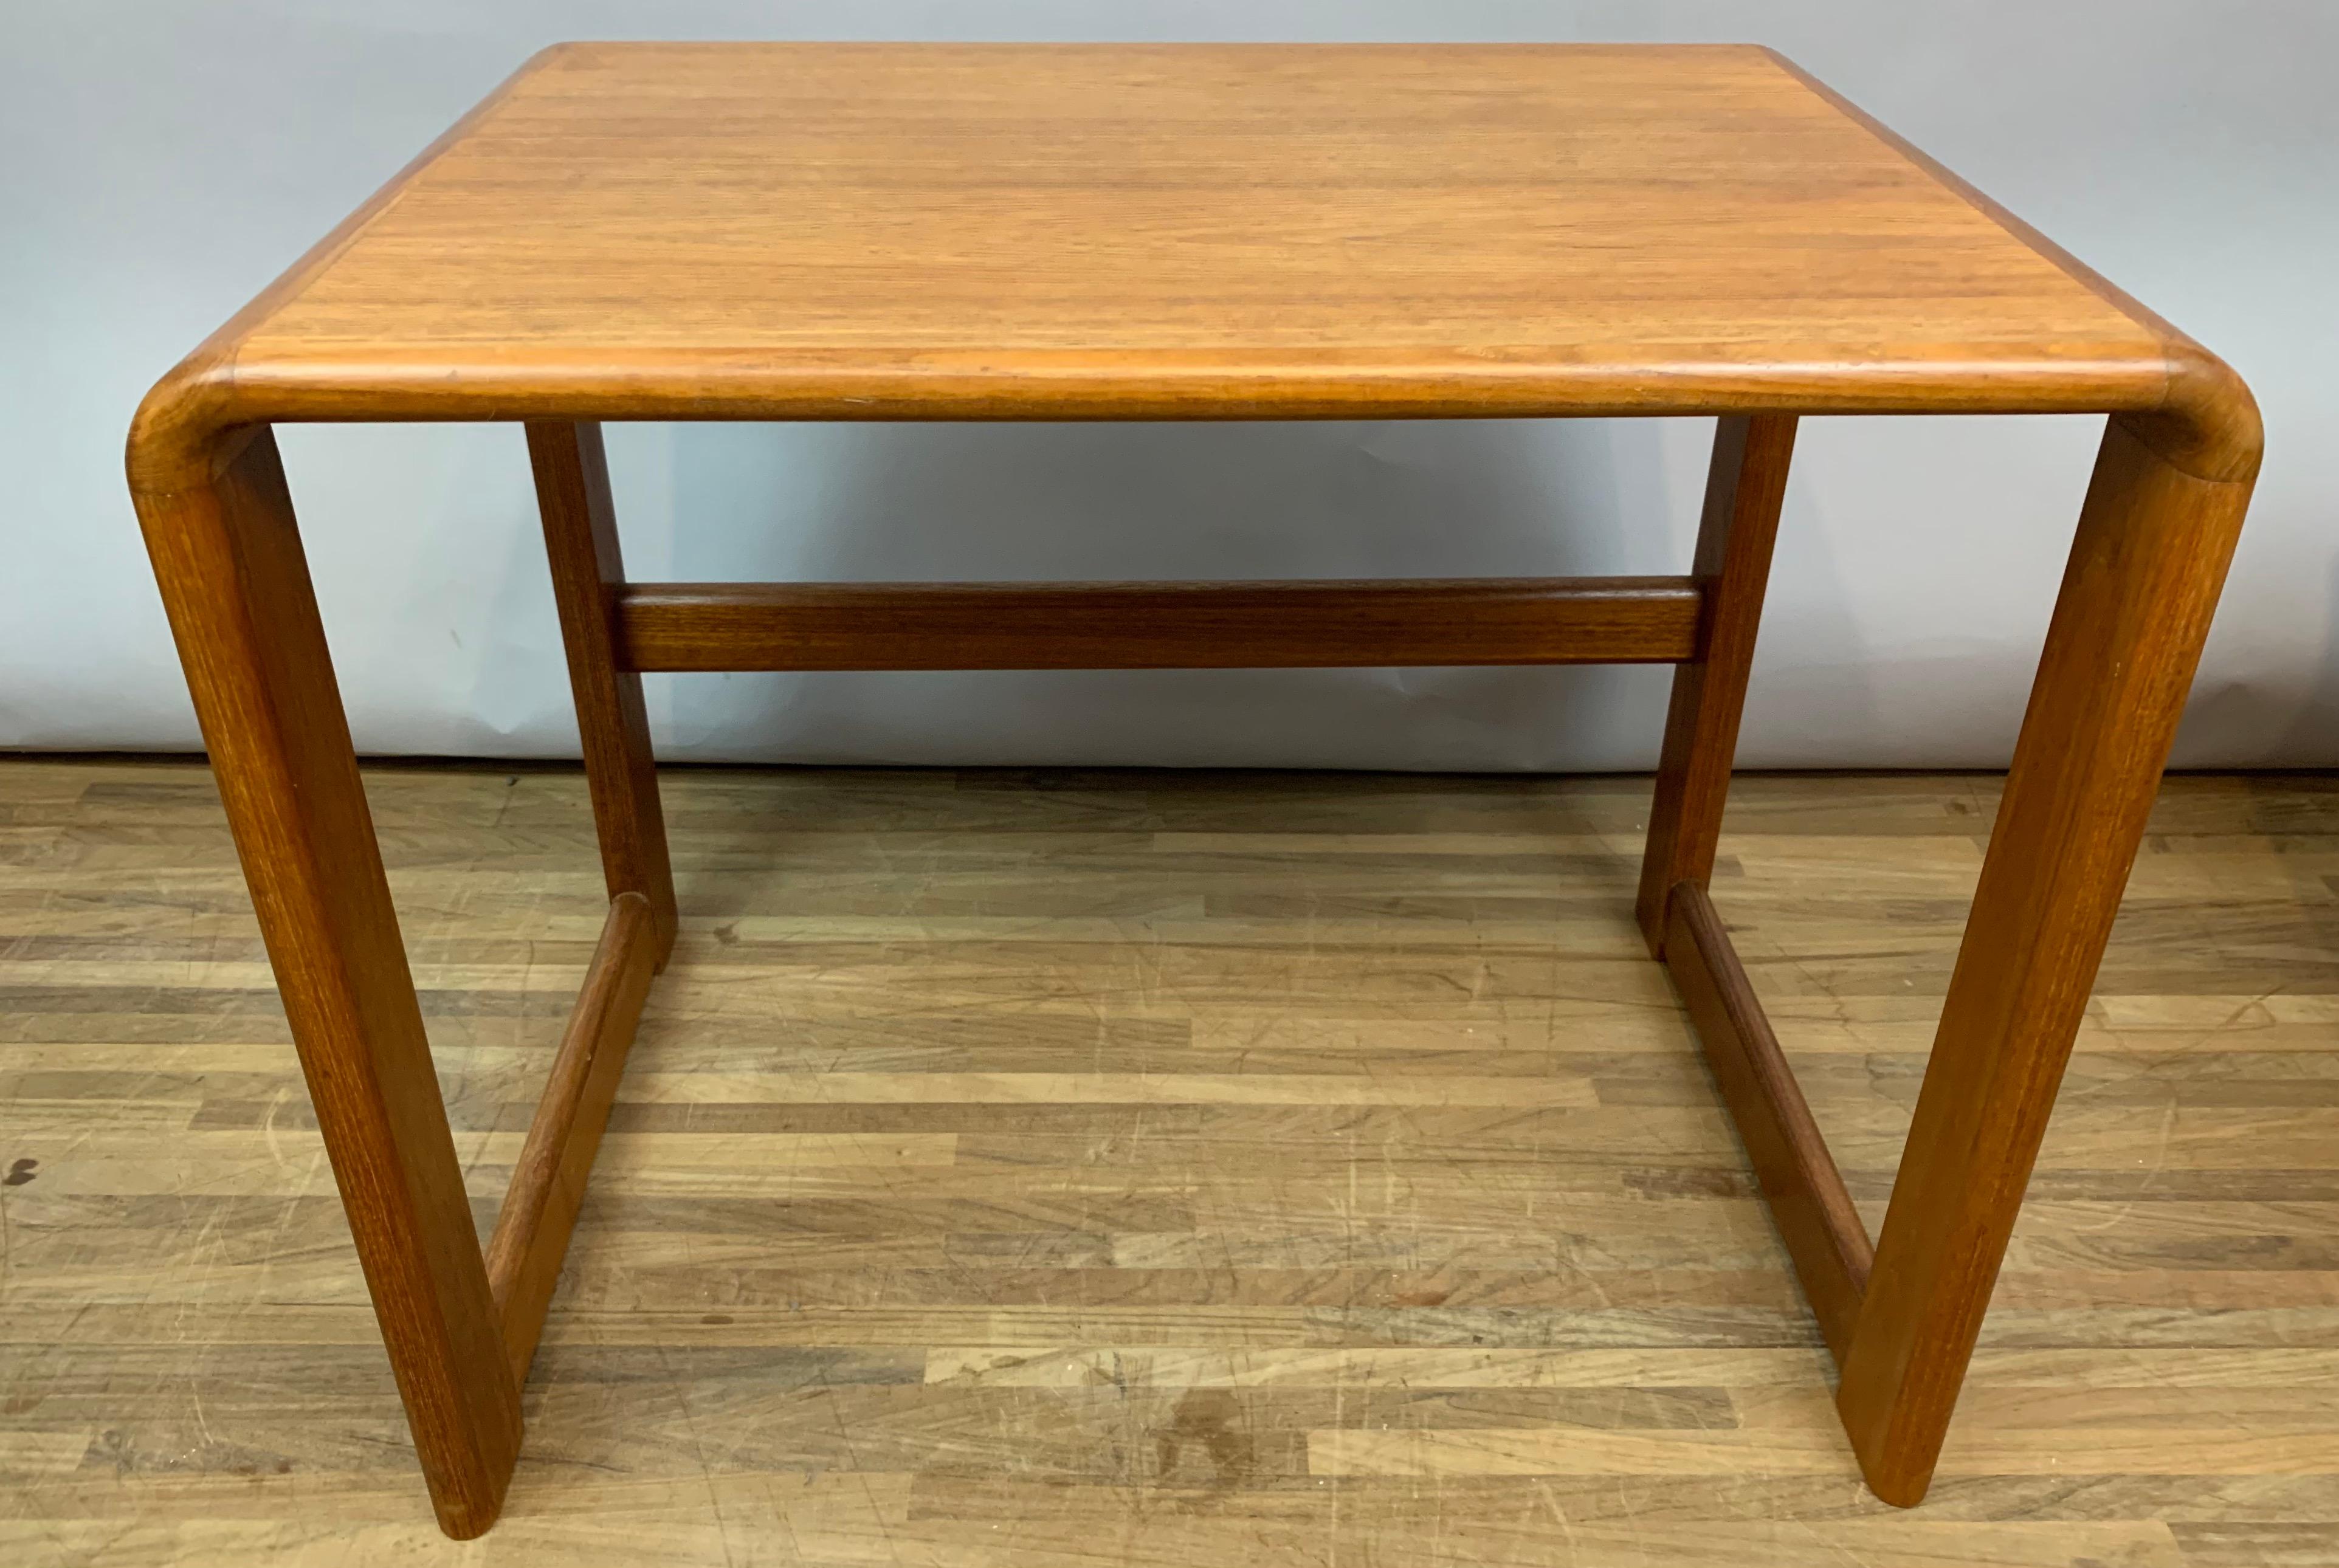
<point x="1162" y="1169"/>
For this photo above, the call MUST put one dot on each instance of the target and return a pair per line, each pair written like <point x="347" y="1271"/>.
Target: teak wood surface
<point x="628" y="232"/>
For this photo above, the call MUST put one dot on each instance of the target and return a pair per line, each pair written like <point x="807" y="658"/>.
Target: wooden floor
<point x="1157" y="1168"/>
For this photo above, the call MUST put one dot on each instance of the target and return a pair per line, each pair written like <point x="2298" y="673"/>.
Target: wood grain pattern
<point x="994" y="1180"/>
<point x="1816" y="1219"/>
<point x="1178" y="231"/>
<point x="2143" y="581"/>
<point x="1157" y="626"/>
<point x="1745" y="486"/>
<point x="2207" y="423"/>
<point x="228" y="557"/>
<point x="547" y="1186"/>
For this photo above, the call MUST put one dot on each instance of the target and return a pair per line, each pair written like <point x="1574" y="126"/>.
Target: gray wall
<point x="159" y="163"/>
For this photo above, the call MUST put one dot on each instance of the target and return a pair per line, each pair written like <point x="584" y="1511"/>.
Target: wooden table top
<point x="830" y="231"/>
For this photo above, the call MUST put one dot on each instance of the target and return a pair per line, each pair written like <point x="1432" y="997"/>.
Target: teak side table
<point x="840" y="232"/>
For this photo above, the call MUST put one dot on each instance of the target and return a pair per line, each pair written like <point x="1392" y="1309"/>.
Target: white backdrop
<point x="160" y="161"/>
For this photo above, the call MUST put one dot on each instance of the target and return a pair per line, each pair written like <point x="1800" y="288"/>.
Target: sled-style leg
<point x="2146" y="568"/>
<point x="228" y="556"/>
<point x="1743" y="490"/>
<point x="580" y="539"/>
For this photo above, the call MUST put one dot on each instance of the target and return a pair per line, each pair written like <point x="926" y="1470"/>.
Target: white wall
<point x="160" y="161"/>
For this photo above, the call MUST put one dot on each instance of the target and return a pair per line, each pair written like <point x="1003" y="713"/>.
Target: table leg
<point x="228" y="557"/>
<point x="1743" y="489"/>
<point x="2150" y="554"/>
<point x="580" y="539"/>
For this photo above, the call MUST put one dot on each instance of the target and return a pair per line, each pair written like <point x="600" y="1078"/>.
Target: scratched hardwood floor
<point x="1162" y="1169"/>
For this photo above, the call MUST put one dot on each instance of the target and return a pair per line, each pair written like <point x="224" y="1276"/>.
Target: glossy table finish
<point x="839" y="232"/>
